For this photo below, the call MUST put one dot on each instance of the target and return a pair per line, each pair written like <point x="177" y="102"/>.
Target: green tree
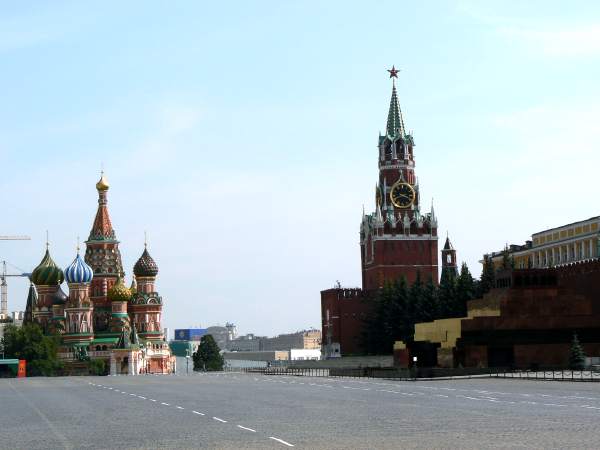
<point x="428" y="307"/>
<point x="488" y="276"/>
<point x="29" y="343"/>
<point x="465" y="291"/>
<point x="447" y="295"/>
<point x="97" y="367"/>
<point x="576" y="355"/>
<point x="208" y="355"/>
<point x="378" y="324"/>
<point x="401" y="315"/>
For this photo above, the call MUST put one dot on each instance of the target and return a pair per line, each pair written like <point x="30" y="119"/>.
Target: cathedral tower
<point x="79" y="330"/>
<point x="146" y="304"/>
<point x="47" y="278"/>
<point x="398" y="239"/>
<point x="103" y="255"/>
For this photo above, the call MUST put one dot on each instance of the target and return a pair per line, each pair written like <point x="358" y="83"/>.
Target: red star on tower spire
<point x="393" y="72"/>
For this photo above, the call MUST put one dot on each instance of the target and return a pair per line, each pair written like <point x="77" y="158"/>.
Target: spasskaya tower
<point x="398" y="239"/>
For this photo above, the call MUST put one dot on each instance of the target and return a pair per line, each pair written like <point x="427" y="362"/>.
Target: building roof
<point x="595" y="218"/>
<point x="47" y="273"/>
<point x="79" y="271"/>
<point x="395" y="124"/>
<point x="145" y="266"/>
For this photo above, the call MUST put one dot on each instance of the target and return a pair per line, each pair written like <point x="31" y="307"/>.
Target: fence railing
<point x="428" y="373"/>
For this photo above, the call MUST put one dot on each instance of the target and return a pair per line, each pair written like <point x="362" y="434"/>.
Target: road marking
<point x="163" y="403"/>
<point x="220" y="420"/>
<point x="470" y="398"/>
<point x="281" y="440"/>
<point x="110" y="389"/>
<point x="133" y="395"/>
<point x="142" y="397"/>
<point x="180" y="407"/>
<point x="552" y="404"/>
<point x="441" y="395"/>
<point x="152" y="400"/>
<point x="199" y="413"/>
<point x="245" y="428"/>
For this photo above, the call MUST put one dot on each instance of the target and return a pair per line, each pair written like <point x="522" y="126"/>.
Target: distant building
<point x="247" y="343"/>
<point x="566" y="244"/>
<point x="15" y="318"/>
<point x="305" y="339"/>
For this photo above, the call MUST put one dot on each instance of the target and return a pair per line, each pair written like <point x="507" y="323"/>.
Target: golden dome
<point x="102" y="185"/>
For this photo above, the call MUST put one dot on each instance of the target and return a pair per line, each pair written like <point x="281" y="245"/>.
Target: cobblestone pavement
<point x="239" y="411"/>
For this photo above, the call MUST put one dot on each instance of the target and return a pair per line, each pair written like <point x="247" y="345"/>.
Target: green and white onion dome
<point x="47" y="273"/>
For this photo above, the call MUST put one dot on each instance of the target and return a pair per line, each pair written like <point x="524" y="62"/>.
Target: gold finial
<point x="102" y="185"/>
<point x="47" y="241"/>
<point x="78" y="245"/>
<point x="145" y="239"/>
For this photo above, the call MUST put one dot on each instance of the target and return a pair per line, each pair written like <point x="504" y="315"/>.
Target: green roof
<point x="105" y="340"/>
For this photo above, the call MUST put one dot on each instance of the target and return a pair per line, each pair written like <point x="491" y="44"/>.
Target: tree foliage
<point x="576" y="355"/>
<point x="29" y="343"/>
<point x="208" y="356"/>
<point x="397" y="307"/>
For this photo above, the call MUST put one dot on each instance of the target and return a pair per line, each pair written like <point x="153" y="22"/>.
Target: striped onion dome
<point x="119" y="292"/>
<point x="79" y="271"/>
<point x="47" y="273"/>
<point x="145" y="266"/>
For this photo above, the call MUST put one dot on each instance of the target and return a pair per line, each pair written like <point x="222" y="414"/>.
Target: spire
<point x="102" y="228"/>
<point x="448" y="244"/>
<point x="395" y="123"/>
<point x="32" y="298"/>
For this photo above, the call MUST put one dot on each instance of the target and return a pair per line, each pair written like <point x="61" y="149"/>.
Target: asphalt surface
<point x="246" y="411"/>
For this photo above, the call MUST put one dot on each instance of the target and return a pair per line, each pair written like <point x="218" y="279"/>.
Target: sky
<point x="242" y="136"/>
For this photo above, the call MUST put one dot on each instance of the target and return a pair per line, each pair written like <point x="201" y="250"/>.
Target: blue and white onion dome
<point x="79" y="271"/>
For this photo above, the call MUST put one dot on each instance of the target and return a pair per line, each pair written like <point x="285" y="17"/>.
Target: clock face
<point x="402" y="195"/>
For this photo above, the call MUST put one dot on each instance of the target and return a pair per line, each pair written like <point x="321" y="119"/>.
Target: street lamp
<point x="187" y="361"/>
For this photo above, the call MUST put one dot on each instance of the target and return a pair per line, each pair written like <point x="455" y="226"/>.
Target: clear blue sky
<point x="242" y="136"/>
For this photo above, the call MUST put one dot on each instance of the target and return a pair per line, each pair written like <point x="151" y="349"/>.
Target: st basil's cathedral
<point x="101" y="318"/>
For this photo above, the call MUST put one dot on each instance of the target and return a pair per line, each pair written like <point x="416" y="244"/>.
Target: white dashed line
<point x="199" y="413"/>
<point x="246" y="428"/>
<point x="220" y="420"/>
<point x="152" y="400"/>
<point x="143" y="398"/>
<point x="179" y="407"/>
<point x="163" y="403"/>
<point x="281" y="440"/>
<point x="133" y="395"/>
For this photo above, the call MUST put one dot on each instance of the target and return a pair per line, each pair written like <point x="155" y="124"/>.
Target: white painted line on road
<point x="133" y="395"/>
<point x="110" y="389"/>
<point x="163" y="403"/>
<point x="470" y="398"/>
<point x="589" y="407"/>
<point x="220" y="420"/>
<point x="152" y="400"/>
<point x="552" y="404"/>
<point x="144" y="398"/>
<point x="246" y="428"/>
<point x="441" y="395"/>
<point x="199" y="413"/>
<point x="179" y="407"/>
<point x="281" y="440"/>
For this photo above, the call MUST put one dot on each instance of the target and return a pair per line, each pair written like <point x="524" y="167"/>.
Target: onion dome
<point x="59" y="297"/>
<point x="79" y="271"/>
<point x="145" y="266"/>
<point x="102" y="184"/>
<point x="47" y="273"/>
<point x="119" y="292"/>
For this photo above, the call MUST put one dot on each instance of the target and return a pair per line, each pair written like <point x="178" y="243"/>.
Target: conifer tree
<point x="576" y="355"/>
<point x="402" y="317"/>
<point x="428" y="308"/>
<point x="488" y="276"/>
<point x="447" y="295"/>
<point x="465" y="291"/>
<point x="208" y="356"/>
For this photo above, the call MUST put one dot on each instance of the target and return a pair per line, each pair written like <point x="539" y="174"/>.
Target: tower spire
<point x="395" y="123"/>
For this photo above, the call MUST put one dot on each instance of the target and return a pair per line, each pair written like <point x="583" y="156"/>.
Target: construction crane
<point x="4" y="290"/>
<point x="3" y="275"/>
